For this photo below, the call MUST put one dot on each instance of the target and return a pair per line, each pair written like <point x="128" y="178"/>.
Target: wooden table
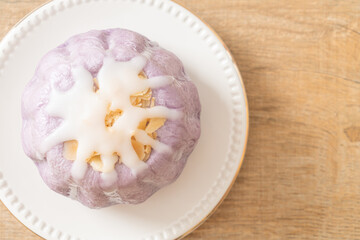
<point x="300" y="61"/>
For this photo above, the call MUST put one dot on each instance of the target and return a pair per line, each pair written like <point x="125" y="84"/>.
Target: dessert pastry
<point x="109" y="117"/>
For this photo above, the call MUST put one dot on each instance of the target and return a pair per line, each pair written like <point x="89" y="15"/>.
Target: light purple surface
<point x="88" y="50"/>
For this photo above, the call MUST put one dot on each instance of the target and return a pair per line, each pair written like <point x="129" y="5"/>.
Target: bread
<point x="61" y="121"/>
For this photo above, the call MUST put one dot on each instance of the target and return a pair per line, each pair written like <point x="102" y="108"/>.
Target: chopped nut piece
<point x="154" y="124"/>
<point x="141" y="99"/>
<point x="70" y="149"/>
<point x="146" y="94"/>
<point x="143" y="124"/>
<point x="96" y="163"/>
<point x="139" y="148"/>
<point x="111" y="117"/>
<point x="96" y="84"/>
<point x="147" y="152"/>
<point x="152" y="104"/>
<point x="142" y="75"/>
<point x="154" y="135"/>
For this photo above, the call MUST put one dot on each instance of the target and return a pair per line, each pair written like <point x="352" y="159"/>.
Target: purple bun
<point x="88" y="50"/>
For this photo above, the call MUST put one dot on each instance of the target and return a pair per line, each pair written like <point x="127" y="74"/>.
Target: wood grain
<point x="300" y="62"/>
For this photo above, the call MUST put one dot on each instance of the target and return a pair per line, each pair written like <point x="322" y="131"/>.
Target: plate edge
<point x="234" y="65"/>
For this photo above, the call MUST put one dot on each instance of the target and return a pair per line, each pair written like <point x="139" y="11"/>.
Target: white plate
<point x="174" y="210"/>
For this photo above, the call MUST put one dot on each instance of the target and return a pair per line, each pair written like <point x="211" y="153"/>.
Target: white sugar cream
<point x="83" y="112"/>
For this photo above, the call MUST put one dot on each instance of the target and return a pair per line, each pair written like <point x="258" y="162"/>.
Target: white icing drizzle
<point x="83" y="112"/>
<point x="73" y="190"/>
<point x="114" y="197"/>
